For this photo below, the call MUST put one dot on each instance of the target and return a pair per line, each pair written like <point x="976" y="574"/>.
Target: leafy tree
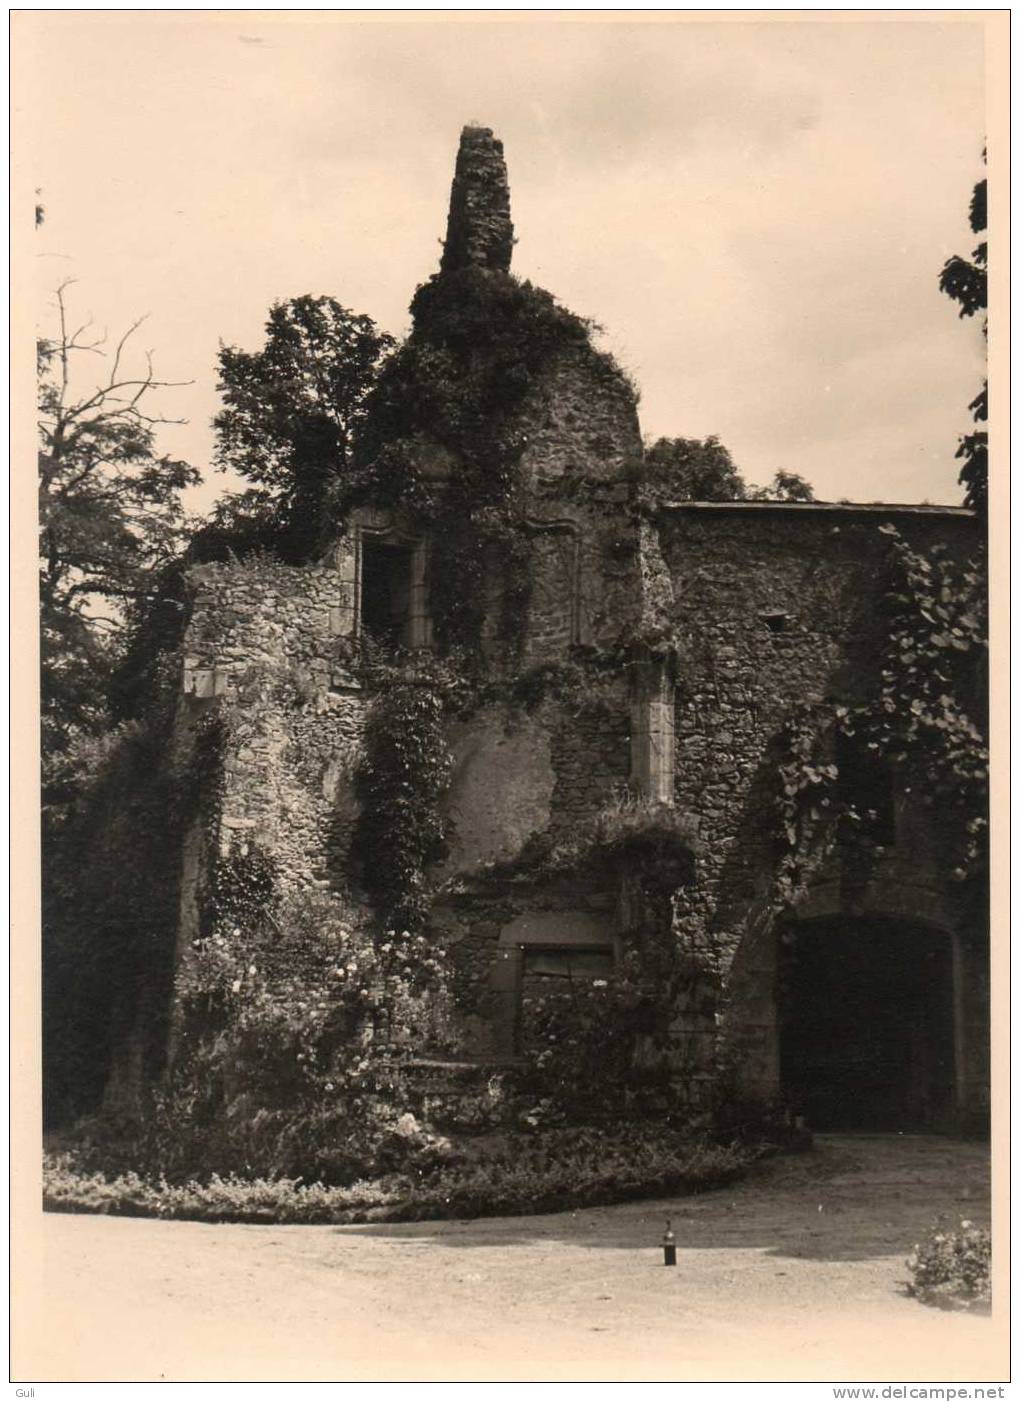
<point x="291" y="411"/>
<point x="694" y="469"/>
<point x="110" y="517"/>
<point x="966" y="281"/>
<point x="785" y="486"/>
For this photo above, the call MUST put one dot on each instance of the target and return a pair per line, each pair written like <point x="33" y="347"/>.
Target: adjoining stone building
<point x="702" y="626"/>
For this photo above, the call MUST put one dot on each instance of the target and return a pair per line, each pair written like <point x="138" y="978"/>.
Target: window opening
<point x="385" y="591"/>
<point x="775" y="622"/>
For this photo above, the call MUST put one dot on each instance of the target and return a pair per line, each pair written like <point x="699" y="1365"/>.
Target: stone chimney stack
<point x="479" y="233"/>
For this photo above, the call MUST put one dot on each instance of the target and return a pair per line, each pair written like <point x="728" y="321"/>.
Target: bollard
<point x="669" y="1246"/>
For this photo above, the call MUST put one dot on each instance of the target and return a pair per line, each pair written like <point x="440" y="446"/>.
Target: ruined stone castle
<point x="704" y="624"/>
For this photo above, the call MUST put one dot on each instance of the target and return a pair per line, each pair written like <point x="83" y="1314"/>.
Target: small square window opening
<point x="775" y="621"/>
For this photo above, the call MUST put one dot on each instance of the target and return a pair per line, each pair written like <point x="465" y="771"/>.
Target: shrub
<point x="294" y="1025"/>
<point x="952" y="1269"/>
<point x="571" y="1026"/>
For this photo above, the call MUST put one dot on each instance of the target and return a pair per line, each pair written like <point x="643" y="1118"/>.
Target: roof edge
<point x="846" y="508"/>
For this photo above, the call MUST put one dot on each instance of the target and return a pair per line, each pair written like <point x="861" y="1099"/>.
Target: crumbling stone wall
<point x="578" y="470"/>
<point x="582" y="426"/>
<point x="261" y="653"/>
<point x="501" y="792"/>
<point x="591" y="756"/>
<point x="554" y="592"/>
<point x="762" y="605"/>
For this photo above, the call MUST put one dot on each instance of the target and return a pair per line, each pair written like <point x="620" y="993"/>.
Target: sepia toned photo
<point x="515" y="861"/>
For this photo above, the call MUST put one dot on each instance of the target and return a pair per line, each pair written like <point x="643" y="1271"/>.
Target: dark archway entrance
<point x="866" y="1024"/>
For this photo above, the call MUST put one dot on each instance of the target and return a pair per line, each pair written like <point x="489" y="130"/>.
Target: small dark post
<point x="669" y="1246"/>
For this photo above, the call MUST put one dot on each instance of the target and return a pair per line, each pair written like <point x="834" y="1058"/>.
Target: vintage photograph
<point x="513" y="895"/>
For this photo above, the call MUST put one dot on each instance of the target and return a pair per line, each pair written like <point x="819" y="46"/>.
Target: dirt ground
<point x="795" y="1273"/>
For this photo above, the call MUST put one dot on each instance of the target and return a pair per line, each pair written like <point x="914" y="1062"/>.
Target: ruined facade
<point x="695" y="629"/>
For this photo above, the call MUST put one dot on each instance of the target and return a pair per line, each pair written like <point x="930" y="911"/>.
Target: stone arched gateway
<point x="868" y="1023"/>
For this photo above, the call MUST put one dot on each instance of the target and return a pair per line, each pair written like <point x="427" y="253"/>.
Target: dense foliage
<point x="547" y="1171"/>
<point x="109" y="914"/>
<point x="619" y="1025"/>
<point x="966" y="282"/>
<point x="293" y="1015"/>
<point x="952" y="1269"/>
<point x="403" y="776"/>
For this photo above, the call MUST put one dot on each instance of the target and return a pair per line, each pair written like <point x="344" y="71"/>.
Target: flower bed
<point x="549" y="1171"/>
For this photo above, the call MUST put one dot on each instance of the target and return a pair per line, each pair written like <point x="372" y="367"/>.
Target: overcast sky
<point x="756" y="213"/>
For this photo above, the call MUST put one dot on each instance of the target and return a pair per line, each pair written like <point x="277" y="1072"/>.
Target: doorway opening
<point x="866" y="1024"/>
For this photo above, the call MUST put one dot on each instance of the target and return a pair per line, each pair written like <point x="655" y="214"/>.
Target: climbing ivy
<point x="444" y="438"/>
<point x="930" y="710"/>
<point x="810" y="803"/>
<point x="403" y="775"/>
<point x="922" y="712"/>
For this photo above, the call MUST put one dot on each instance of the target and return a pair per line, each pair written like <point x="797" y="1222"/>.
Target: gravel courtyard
<point x="795" y="1273"/>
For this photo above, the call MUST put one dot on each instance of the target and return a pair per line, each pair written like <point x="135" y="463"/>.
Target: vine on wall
<point x="931" y="709"/>
<point x="403" y="776"/>
<point x="444" y="440"/>
<point x="923" y="714"/>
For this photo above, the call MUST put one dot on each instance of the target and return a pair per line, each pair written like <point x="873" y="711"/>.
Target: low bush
<point x="547" y="1171"/>
<point x="952" y="1268"/>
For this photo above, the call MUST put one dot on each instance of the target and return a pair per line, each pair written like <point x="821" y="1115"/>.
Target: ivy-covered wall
<point x="110" y="902"/>
<point x="781" y="611"/>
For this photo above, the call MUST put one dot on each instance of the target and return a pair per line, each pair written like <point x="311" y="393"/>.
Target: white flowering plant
<point x="951" y="1267"/>
<point x="298" y="1016"/>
